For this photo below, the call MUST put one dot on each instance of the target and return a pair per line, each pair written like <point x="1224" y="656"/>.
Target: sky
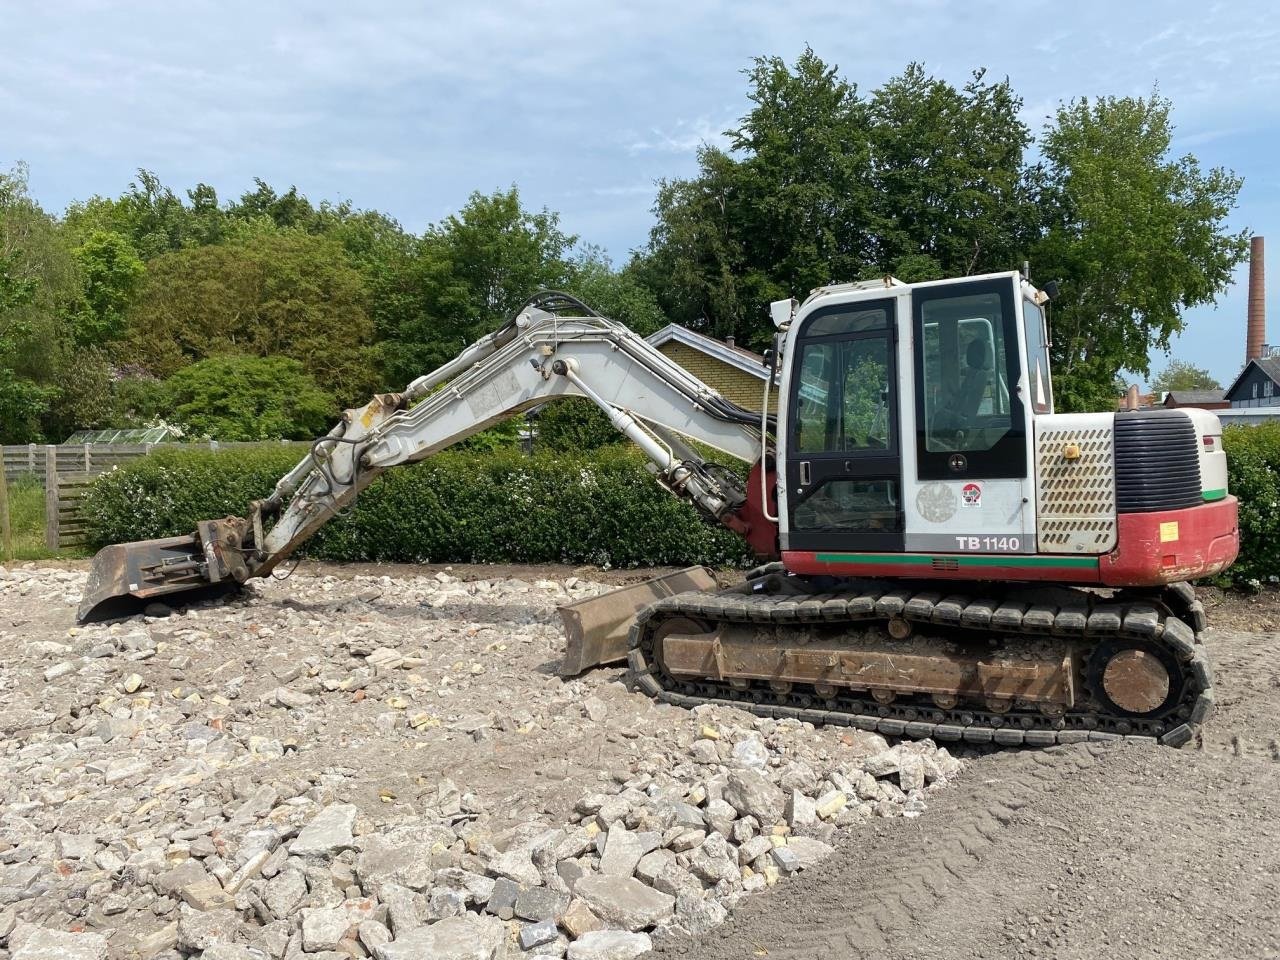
<point x="409" y="107"/>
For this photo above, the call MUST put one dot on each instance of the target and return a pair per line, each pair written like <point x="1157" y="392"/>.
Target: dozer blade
<point x="125" y="577"/>
<point x="596" y="628"/>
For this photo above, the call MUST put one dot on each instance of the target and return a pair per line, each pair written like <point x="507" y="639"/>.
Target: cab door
<point x="843" y="477"/>
<point x="969" y="487"/>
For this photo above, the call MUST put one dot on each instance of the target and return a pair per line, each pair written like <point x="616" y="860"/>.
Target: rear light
<point x="1209" y="440"/>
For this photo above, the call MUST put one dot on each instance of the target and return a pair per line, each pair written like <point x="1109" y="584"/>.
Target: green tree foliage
<point x="465" y="277"/>
<point x="274" y="293"/>
<point x="1135" y="235"/>
<point x="112" y="273"/>
<point x="821" y="184"/>
<point x="248" y="398"/>
<point x="39" y="285"/>
<point x="924" y="180"/>
<point x="619" y="295"/>
<point x="1183" y="375"/>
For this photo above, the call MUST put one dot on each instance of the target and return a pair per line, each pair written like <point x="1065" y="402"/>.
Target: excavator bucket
<point x="125" y="577"/>
<point x="596" y="629"/>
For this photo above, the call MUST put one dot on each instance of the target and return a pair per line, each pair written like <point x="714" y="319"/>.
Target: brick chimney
<point x="1256" y="334"/>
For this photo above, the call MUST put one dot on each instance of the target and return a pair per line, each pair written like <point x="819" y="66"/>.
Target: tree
<point x="1134" y="236"/>
<point x="1183" y="375"/>
<point x="274" y="293"/>
<point x="619" y="295"/>
<point x="249" y="398"/>
<point x="464" y="278"/>
<point x="820" y="185"/>
<point x="39" y="286"/>
<point x="112" y="273"/>
<point x="950" y="195"/>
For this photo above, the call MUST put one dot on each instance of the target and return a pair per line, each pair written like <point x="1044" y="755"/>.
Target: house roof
<point x="735" y="356"/>
<point x="1268" y="365"/>
<point x="1196" y="396"/>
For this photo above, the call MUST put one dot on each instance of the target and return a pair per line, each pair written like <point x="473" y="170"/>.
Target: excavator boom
<point x="554" y="347"/>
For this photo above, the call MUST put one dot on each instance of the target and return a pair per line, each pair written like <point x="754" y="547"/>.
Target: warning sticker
<point x="971" y="494"/>
<point x="1169" y="531"/>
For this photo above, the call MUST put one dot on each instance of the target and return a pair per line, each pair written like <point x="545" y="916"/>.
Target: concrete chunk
<point x="624" y="901"/>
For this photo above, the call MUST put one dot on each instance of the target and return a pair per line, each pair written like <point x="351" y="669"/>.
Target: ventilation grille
<point x="1076" y="502"/>
<point x="1157" y="461"/>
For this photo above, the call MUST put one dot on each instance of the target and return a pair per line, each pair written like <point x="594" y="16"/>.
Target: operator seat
<point x="977" y="378"/>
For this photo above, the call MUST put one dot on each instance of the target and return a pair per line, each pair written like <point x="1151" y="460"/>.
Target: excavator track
<point x="1059" y="660"/>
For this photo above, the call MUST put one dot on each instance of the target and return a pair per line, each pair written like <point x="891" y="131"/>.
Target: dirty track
<point x="1083" y="851"/>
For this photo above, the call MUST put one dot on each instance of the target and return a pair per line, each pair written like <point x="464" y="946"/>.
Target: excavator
<point x="942" y="555"/>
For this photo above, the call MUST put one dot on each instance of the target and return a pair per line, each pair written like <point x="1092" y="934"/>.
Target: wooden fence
<point x="67" y="470"/>
<point x="31" y="459"/>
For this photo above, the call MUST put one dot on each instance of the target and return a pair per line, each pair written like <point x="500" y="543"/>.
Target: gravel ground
<point x="352" y="764"/>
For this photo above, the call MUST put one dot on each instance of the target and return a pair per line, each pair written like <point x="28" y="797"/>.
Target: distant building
<point x="1254" y="397"/>
<point x="738" y="374"/>
<point x="1203" y="399"/>
<point x="1258" y="384"/>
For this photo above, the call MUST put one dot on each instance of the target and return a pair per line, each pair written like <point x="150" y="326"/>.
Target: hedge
<point x="455" y="507"/>
<point x="601" y="508"/>
<point x="1253" y="464"/>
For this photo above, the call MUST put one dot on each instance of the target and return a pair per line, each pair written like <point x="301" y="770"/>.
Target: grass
<point x="26" y="522"/>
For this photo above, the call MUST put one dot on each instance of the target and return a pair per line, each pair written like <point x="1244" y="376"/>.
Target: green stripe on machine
<point x="925" y="559"/>
<point x="1211" y="495"/>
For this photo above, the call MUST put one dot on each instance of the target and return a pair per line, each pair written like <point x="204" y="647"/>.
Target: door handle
<point x="805" y="474"/>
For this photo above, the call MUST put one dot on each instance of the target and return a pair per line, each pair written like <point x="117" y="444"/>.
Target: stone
<point x="578" y="920"/>
<point x="910" y="772"/>
<point x="698" y="913"/>
<point x="291" y="699"/>
<point x="536" y="934"/>
<point x="172" y="881"/>
<point x="199" y="930"/>
<point x="653" y="863"/>
<point x="125" y="768"/>
<point x="750" y="754"/>
<point x="323" y="928"/>
<point x="882" y="764"/>
<point x="206" y="894"/>
<point x="540" y="903"/>
<point x="469" y="937"/>
<point x="622" y="852"/>
<point x="831" y="803"/>
<point x="42" y="944"/>
<point x="808" y="851"/>
<point x="786" y="860"/>
<point x="502" y="899"/>
<point x="610" y="945"/>
<point x="624" y="901"/>
<point x="687" y="840"/>
<point x="516" y="865"/>
<point x="595" y="709"/>
<point x="58" y="670"/>
<point x="285" y="893"/>
<point x="132" y="683"/>
<point x="801" y="811"/>
<point x="750" y="792"/>
<point x="384" y="860"/>
<point x="230" y="951"/>
<point x="372" y="934"/>
<point x="328" y="833"/>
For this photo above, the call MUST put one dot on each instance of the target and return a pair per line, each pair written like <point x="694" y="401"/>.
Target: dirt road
<point x="1089" y="851"/>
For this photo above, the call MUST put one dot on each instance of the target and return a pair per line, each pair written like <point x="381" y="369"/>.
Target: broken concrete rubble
<point x="257" y="787"/>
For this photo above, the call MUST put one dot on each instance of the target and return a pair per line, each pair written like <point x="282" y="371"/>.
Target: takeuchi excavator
<point x="943" y="555"/>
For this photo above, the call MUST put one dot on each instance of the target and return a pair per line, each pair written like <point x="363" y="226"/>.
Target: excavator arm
<point x="555" y="346"/>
